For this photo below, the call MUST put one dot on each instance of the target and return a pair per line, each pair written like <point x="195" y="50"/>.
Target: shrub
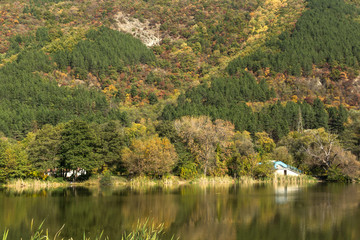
<point x="264" y="170"/>
<point x="188" y="171"/>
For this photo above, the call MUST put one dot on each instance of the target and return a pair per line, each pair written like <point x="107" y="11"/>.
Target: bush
<point x="334" y="174"/>
<point x="106" y="178"/>
<point x="188" y="171"/>
<point x="264" y="170"/>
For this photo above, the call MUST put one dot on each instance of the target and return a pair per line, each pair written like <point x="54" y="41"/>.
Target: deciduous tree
<point x="203" y="136"/>
<point x="14" y="161"/>
<point x="152" y="156"/>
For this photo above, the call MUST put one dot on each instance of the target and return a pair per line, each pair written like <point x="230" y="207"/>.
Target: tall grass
<point x="143" y="231"/>
<point x="20" y="184"/>
<point x="5" y="235"/>
<point x="294" y="179"/>
<point x="226" y="180"/>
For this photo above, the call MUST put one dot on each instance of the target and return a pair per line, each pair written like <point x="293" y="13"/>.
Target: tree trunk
<point x="75" y="175"/>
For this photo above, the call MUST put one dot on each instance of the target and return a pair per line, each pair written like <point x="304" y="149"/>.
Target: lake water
<point x="317" y="211"/>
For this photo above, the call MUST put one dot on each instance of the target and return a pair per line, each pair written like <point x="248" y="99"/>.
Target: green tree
<point x="321" y="116"/>
<point x="112" y="138"/>
<point x="337" y="118"/>
<point x="282" y="154"/>
<point x="42" y="34"/>
<point x="44" y="149"/>
<point x="351" y="135"/>
<point x="264" y="143"/>
<point x="78" y="147"/>
<point x="186" y="166"/>
<point x="316" y="151"/>
<point x="241" y="156"/>
<point x="14" y="161"/>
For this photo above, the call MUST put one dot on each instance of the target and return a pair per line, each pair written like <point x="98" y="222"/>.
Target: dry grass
<point x="20" y="184"/>
<point x="214" y="181"/>
<point x="142" y="182"/>
<point x="294" y="179"/>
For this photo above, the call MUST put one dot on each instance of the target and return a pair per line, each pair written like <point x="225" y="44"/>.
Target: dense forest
<point x="29" y="100"/>
<point x="323" y="44"/>
<point x="327" y="33"/>
<point x="226" y="99"/>
<point x="104" y="51"/>
<point x="228" y="85"/>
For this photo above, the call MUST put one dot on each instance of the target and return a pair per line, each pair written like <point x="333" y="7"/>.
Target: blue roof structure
<point x="280" y="165"/>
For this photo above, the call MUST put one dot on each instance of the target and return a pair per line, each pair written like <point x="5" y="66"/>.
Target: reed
<point x="143" y="231"/>
<point x="118" y="181"/>
<point x="247" y="180"/>
<point x="294" y="179"/>
<point x="20" y="184"/>
<point x="146" y="182"/>
<point x="141" y="181"/>
<point x="226" y="180"/>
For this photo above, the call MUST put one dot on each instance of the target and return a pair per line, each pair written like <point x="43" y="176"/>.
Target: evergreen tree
<point x="44" y="149"/>
<point x="78" y="145"/>
<point x="321" y="116"/>
<point x="112" y="141"/>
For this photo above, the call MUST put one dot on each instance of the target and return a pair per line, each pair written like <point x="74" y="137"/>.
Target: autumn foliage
<point x="153" y="156"/>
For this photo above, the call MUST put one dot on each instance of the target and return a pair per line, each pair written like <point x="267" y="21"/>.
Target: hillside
<point x="322" y="50"/>
<point x="261" y="70"/>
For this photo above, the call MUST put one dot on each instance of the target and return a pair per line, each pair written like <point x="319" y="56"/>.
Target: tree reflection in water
<point x="263" y="211"/>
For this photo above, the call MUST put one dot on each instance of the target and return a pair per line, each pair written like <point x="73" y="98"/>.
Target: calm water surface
<point x="321" y="211"/>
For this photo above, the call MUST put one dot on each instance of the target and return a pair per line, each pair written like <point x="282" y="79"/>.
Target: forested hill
<point x="323" y="45"/>
<point x="304" y="49"/>
<point x="263" y="79"/>
<point x="29" y="99"/>
<point x="277" y="51"/>
<point x="326" y="34"/>
<point x="323" y="39"/>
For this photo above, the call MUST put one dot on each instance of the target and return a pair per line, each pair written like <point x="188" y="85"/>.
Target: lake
<point x="263" y="211"/>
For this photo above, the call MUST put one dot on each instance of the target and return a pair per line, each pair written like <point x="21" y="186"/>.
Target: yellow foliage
<point x="153" y="156"/>
<point x="66" y="42"/>
<point x="110" y="91"/>
<point x="136" y="130"/>
<point x="264" y="142"/>
<point x="294" y="98"/>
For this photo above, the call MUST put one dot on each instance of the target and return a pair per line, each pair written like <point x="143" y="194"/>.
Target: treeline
<point x="103" y="51"/>
<point x="227" y="99"/>
<point x="326" y="33"/>
<point x="188" y="147"/>
<point x="87" y="146"/>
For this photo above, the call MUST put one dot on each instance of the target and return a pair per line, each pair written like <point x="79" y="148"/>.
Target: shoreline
<point x="140" y="182"/>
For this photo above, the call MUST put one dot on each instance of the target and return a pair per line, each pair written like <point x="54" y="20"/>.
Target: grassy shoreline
<point x="138" y="182"/>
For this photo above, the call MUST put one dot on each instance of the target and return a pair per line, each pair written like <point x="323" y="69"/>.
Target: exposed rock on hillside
<point x="146" y="31"/>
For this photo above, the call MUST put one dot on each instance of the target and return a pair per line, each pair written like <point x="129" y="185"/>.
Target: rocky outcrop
<point x="147" y="32"/>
